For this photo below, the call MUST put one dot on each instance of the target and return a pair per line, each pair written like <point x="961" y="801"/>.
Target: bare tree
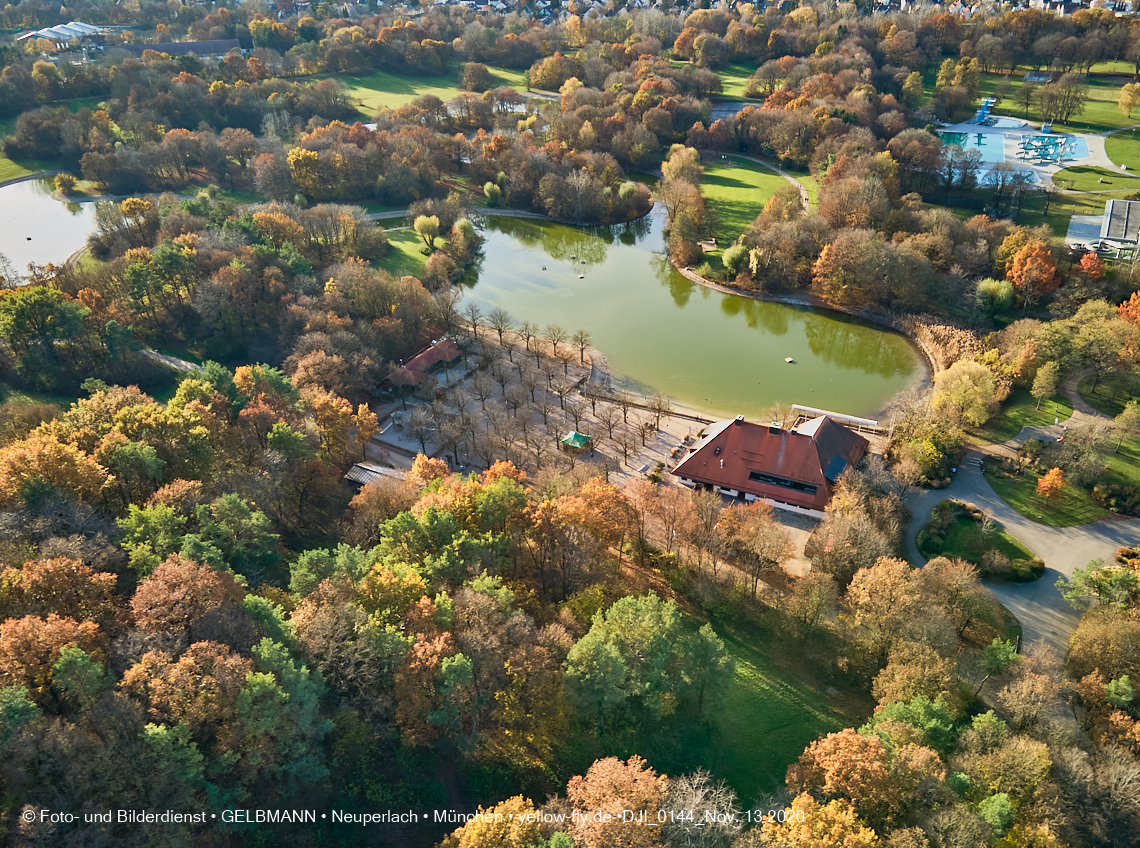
<point x="461" y="402"/>
<point x="473" y="313"/>
<point x="563" y="388"/>
<point x="705" y="813"/>
<point x="551" y="371"/>
<point x="539" y="444"/>
<point x="499" y="320"/>
<point x="447" y="302"/>
<point x="623" y="400"/>
<point x="528" y="331"/>
<point x="609" y="418"/>
<point x="582" y="339"/>
<point x="509" y="347"/>
<point x="501" y="376"/>
<point x="481" y="387"/>
<point x="626" y="440"/>
<point x="486" y="448"/>
<point x="577" y="411"/>
<point x="515" y="399"/>
<point x="659" y="405"/>
<point x="544" y="406"/>
<point x="555" y="335"/>
<point x="565" y="357"/>
<point x="531" y="379"/>
<point x="646" y="430"/>
<point x="419" y="427"/>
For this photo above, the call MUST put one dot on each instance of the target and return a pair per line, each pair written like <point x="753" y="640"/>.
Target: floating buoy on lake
<point x="581" y="276"/>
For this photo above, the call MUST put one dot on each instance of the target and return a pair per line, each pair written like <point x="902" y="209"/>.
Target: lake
<point x="35" y="228"/>
<point x="720" y="353"/>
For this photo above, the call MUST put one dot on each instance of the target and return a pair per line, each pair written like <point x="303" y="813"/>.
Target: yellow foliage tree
<point x="60" y="465"/>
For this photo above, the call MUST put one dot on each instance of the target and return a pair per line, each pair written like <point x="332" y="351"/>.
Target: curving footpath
<point x="1045" y="616"/>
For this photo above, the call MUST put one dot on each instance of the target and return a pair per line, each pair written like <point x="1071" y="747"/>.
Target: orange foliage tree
<point x="1051" y="484"/>
<point x="66" y="587"/>
<point x="1130" y="309"/>
<point x="180" y="591"/>
<point x="611" y="787"/>
<point x="1033" y="271"/>
<point x="200" y="688"/>
<point x="30" y="645"/>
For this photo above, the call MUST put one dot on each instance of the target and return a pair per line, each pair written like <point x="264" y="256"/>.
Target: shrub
<point x="65" y="183"/>
<point x="1120" y="499"/>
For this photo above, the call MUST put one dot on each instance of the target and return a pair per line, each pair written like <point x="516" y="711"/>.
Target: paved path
<point x="1043" y="613"/>
<point x="169" y="361"/>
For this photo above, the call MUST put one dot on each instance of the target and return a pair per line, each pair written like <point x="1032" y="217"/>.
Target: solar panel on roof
<point x="835" y="468"/>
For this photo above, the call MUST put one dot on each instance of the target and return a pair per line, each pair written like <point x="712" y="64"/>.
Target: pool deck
<point x="1097" y="156"/>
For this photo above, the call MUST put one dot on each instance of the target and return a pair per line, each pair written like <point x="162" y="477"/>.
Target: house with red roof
<point x="797" y="466"/>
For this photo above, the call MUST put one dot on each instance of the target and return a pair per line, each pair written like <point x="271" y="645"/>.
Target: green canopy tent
<point x="575" y="441"/>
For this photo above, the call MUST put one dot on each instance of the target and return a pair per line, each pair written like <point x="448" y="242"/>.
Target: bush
<point x="1026" y="570"/>
<point x="1120" y="499"/>
<point x="65" y="183"/>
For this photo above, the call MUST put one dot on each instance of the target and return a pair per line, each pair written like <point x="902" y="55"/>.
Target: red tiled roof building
<point x="797" y="467"/>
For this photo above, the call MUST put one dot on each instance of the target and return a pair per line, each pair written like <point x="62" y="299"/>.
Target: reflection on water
<point x="719" y="352"/>
<point x="35" y="228"/>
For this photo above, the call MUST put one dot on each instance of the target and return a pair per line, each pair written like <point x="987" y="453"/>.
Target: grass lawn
<point x="738" y="189"/>
<point x="404" y="255"/>
<point x="1061" y="209"/>
<point x="1124" y="463"/>
<point x="1123" y="148"/>
<point x="1073" y="507"/>
<point x="733" y="79"/>
<point x="8" y="393"/>
<point x="1083" y="178"/>
<point x="377" y="89"/>
<point x="767" y="718"/>
<point x="1100" y="114"/>
<point x="1020" y="410"/>
<point x="956" y="543"/>
<point x="1112" y="392"/>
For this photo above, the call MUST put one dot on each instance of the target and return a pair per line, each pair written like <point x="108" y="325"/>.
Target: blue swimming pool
<point x="990" y="145"/>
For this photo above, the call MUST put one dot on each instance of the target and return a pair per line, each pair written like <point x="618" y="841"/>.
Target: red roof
<point x="444" y="351"/>
<point x="793" y="466"/>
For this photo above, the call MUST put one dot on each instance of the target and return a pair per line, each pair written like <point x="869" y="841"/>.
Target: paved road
<point x="1043" y="613"/>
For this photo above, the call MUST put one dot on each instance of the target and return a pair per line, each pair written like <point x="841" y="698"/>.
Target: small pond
<point x="36" y="228"/>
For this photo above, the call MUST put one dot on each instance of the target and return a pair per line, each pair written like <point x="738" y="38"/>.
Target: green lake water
<point x="720" y="353"/>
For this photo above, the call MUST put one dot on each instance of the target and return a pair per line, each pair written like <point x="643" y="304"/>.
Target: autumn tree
<point x="880" y="601"/>
<point x="1046" y="382"/>
<point x="66" y="587"/>
<point x="608" y="788"/>
<point x="808" y="824"/>
<point x="759" y="544"/>
<point x="512" y="823"/>
<point x="427" y="228"/>
<point x="1051" y="484"/>
<point x="30" y="646"/>
<point x="179" y="592"/>
<point x="43" y="459"/>
<point x="965" y="393"/>
<point x="1033" y="271"/>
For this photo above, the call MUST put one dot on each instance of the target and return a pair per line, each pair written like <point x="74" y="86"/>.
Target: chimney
<point x="739" y="420"/>
<point x="774" y="428"/>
